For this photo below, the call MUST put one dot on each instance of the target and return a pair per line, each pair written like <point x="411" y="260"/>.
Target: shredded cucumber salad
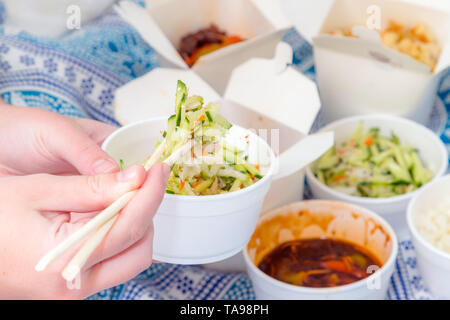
<point x="370" y="165"/>
<point x="211" y="166"/>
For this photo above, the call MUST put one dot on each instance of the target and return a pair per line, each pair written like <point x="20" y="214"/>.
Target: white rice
<point x="434" y="226"/>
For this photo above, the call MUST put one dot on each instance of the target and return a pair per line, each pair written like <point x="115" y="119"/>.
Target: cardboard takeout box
<point x="361" y="75"/>
<point x="163" y="23"/>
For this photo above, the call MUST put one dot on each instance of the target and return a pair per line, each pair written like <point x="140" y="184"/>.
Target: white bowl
<point x="433" y="263"/>
<point x="330" y="219"/>
<point x="197" y="229"/>
<point x="431" y="150"/>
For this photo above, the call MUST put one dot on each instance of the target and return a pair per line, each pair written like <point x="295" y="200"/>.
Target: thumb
<point x="82" y="152"/>
<point x="79" y="193"/>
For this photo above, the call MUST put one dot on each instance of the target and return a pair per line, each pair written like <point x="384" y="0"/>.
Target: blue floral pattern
<point x="5" y="66"/>
<point x="70" y="74"/>
<point x="106" y="97"/>
<point x="4" y="48"/>
<point x="87" y="86"/>
<point x="27" y="60"/>
<point x="50" y="65"/>
<point x="185" y="284"/>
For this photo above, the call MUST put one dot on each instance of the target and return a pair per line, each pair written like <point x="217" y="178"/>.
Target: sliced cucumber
<point x="397" y="171"/>
<point x="221" y="121"/>
<point x="209" y="116"/>
<point x="194" y="122"/>
<point x="202" y="186"/>
<point x="328" y="160"/>
<point x="179" y="101"/>
<point x="194" y="102"/>
<point x="371" y="165"/>
<point x="421" y="176"/>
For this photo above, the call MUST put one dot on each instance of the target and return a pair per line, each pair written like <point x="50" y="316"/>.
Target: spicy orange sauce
<point x="319" y="263"/>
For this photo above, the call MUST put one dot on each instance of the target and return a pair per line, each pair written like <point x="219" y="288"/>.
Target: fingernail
<point x="165" y="171"/>
<point x="127" y="175"/>
<point x="104" y="166"/>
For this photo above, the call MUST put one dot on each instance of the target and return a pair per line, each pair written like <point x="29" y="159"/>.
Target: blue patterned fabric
<point x="78" y="75"/>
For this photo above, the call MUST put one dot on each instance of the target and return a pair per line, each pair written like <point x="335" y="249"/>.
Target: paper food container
<point x="163" y="23"/>
<point x="361" y="75"/>
<point x="152" y="96"/>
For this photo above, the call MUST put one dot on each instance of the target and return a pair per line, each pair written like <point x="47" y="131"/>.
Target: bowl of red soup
<point x="321" y="249"/>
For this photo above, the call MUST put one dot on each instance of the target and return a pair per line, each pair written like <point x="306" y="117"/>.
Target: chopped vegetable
<point x="370" y="165"/>
<point x="213" y="166"/>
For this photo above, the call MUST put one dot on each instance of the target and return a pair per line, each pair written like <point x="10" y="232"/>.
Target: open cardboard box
<point x="257" y="107"/>
<point x="361" y="75"/>
<point x="164" y="22"/>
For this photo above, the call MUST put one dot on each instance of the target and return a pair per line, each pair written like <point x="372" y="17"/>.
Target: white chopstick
<point x="75" y="265"/>
<point x="81" y="233"/>
<point x="156" y="155"/>
<point x="73" y="268"/>
<point x="100" y="222"/>
<point x="79" y="260"/>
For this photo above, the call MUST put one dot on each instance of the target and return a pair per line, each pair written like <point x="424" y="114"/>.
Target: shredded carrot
<point x="232" y="39"/>
<point x="336" y="265"/>
<point x="257" y="166"/>
<point x="200" y="119"/>
<point x="252" y="176"/>
<point x="340" y="151"/>
<point x="369" y="141"/>
<point x="182" y="185"/>
<point x="197" y="183"/>
<point x="339" y="178"/>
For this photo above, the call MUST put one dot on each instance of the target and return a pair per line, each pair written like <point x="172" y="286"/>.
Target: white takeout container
<point x="316" y="219"/>
<point x="198" y="229"/>
<point x="152" y="96"/>
<point x="163" y="23"/>
<point x="431" y="150"/>
<point x="433" y="263"/>
<point x="361" y="75"/>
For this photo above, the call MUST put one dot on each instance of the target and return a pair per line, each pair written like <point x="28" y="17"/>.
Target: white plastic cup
<point x="433" y="263"/>
<point x="343" y="221"/>
<point x="431" y="150"/>
<point x="197" y="229"/>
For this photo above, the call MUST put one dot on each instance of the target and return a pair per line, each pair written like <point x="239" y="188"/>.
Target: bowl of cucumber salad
<point x="220" y="174"/>
<point x="378" y="161"/>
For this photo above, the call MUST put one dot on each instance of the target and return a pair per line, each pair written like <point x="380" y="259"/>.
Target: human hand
<point x="39" y="141"/>
<point x="39" y="211"/>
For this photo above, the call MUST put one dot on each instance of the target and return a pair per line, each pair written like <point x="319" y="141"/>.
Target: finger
<point x="121" y="267"/>
<point x="97" y="131"/>
<point x="77" y="148"/>
<point x="77" y="193"/>
<point x="136" y="219"/>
